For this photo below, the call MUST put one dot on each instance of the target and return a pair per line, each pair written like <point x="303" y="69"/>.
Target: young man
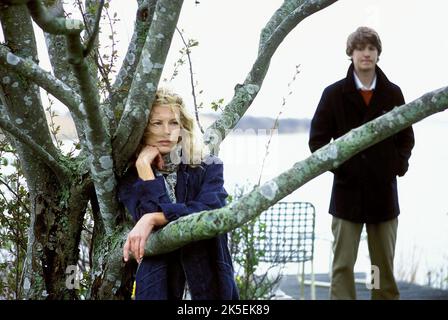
<point x="365" y="186"/>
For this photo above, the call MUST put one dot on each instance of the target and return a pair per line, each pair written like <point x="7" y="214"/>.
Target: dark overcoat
<point x="205" y="265"/>
<point x="365" y="186"/>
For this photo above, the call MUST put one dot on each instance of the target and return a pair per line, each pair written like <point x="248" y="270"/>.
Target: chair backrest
<point x="288" y="229"/>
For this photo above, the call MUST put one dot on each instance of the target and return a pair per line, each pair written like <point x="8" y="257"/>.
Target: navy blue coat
<point x="205" y="265"/>
<point x="365" y="186"/>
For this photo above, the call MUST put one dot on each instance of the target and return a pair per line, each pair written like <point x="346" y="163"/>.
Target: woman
<point x="167" y="182"/>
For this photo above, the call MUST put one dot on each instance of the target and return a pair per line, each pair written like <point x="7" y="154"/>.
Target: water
<point x="422" y="239"/>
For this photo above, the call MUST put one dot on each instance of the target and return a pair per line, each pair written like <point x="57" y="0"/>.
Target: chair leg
<point x="299" y="280"/>
<point x="302" y="287"/>
<point x="313" y="285"/>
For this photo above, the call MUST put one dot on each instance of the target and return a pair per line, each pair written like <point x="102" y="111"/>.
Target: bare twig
<point x="96" y="29"/>
<point x="113" y="53"/>
<point x="15" y="195"/>
<point x="193" y="92"/>
<point x="276" y="122"/>
<point x="54" y="129"/>
<point x="97" y="56"/>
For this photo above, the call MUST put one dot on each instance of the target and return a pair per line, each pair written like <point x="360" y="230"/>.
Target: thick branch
<point x="97" y="136"/>
<point x="123" y="81"/>
<point x="57" y="49"/>
<point x="24" y="108"/>
<point x="30" y="70"/>
<point x="18" y="93"/>
<point x="246" y="93"/>
<point x="57" y="53"/>
<point x="277" y="18"/>
<point x="146" y="79"/>
<point x="50" y="23"/>
<point x="207" y="224"/>
<point x="61" y="172"/>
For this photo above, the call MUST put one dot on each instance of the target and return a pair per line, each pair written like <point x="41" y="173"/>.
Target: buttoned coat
<point x="365" y="186"/>
<point x="205" y="265"/>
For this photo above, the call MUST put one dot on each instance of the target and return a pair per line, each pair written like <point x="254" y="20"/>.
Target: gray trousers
<point x="381" y="239"/>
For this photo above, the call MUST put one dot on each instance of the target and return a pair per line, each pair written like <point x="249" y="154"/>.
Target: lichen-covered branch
<point x="57" y="53"/>
<point x="29" y="69"/>
<point x="52" y="162"/>
<point x="272" y="36"/>
<point x="19" y="94"/>
<point x="23" y="106"/>
<point x="123" y="81"/>
<point x="207" y="224"/>
<point x="57" y="49"/>
<point x="277" y="18"/>
<point x="97" y="136"/>
<point x="146" y="79"/>
<point x="51" y="23"/>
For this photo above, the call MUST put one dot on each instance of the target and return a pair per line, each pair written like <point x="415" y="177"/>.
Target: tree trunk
<point x="56" y="206"/>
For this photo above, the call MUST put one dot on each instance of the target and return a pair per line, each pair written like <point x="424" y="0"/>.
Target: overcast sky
<point x="413" y="33"/>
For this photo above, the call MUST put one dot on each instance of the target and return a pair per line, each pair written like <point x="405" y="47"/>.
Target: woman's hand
<point x="147" y="156"/>
<point x="136" y="241"/>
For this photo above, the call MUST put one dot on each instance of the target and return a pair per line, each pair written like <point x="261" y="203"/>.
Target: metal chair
<point x="289" y="237"/>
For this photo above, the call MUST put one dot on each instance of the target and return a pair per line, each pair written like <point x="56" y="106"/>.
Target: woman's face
<point x="163" y="130"/>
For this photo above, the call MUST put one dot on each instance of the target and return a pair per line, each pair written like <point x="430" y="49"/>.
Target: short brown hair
<point x="361" y="37"/>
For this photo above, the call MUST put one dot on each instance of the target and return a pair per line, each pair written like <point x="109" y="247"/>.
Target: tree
<point x="109" y="129"/>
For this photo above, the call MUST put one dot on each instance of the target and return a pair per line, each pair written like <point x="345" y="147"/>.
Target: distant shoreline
<point x="249" y="123"/>
<point x="246" y="125"/>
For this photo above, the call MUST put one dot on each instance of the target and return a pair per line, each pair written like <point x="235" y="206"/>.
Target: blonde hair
<point x="192" y="148"/>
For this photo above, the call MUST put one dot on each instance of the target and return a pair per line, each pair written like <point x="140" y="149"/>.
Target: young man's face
<point x="365" y="58"/>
